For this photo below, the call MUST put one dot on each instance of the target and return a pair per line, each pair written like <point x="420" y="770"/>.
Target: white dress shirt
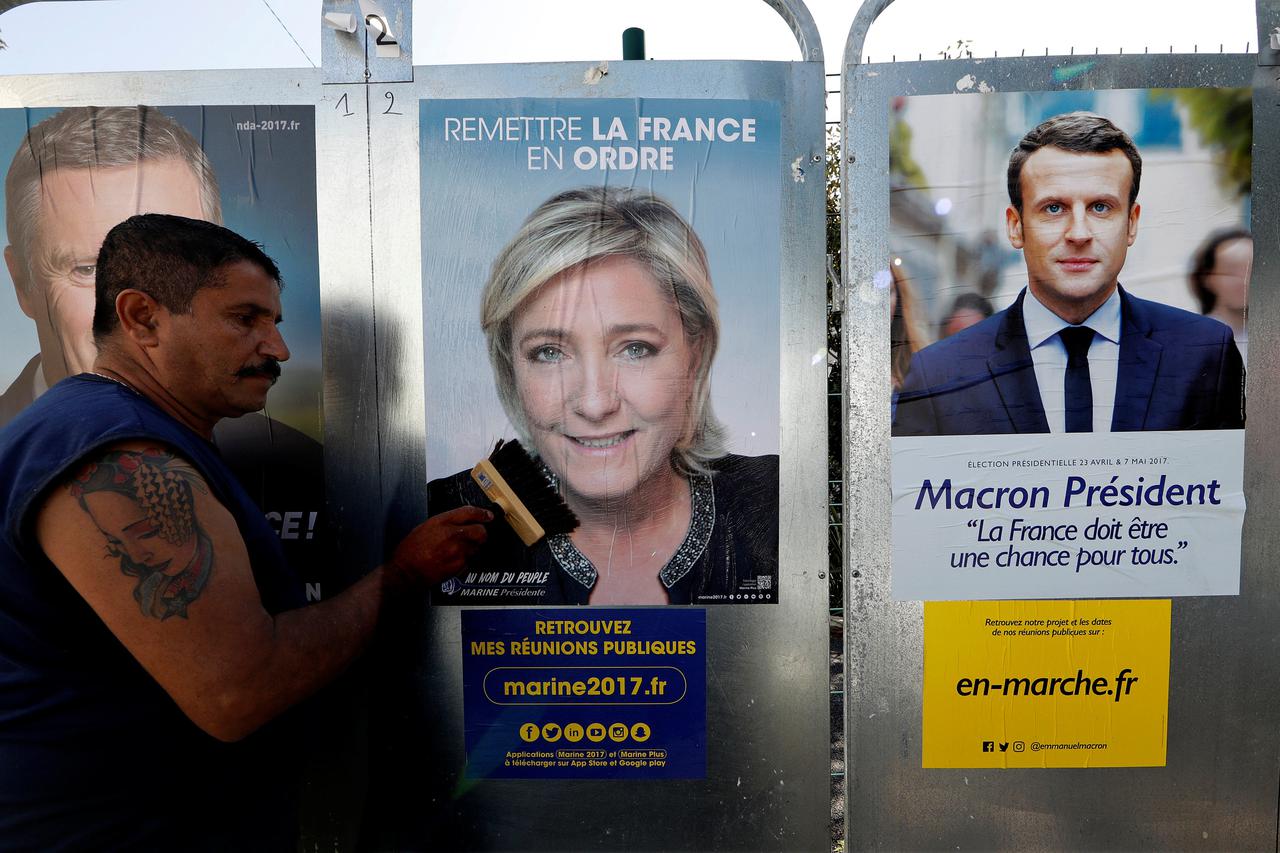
<point x="1049" y="355"/>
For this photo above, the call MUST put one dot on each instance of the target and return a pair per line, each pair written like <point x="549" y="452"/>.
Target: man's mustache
<point x="269" y="368"/>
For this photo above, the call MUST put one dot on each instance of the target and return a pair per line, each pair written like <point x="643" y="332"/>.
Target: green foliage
<point x="833" y="194"/>
<point x="835" y="417"/>
<point x="1223" y="119"/>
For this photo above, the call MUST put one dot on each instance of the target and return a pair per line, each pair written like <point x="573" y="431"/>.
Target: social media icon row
<point x="594" y="732"/>
<point x="990" y="746"/>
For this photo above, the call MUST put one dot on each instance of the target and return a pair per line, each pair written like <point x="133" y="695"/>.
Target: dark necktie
<point x="1078" y="390"/>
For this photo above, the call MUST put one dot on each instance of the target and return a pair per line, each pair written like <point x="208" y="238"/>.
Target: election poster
<point x="1012" y="684"/>
<point x="1069" y="279"/>
<point x="618" y="694"/>
<point x="75" y="172"/>
<point x="601" y="284"/>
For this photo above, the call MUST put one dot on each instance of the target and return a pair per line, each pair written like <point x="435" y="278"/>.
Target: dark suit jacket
<point x="20" y="393"/>
<point x="1177" y="370"/>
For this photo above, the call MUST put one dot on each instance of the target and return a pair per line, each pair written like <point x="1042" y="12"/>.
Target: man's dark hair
<point x="970" y="301"/>
<point x="1206" y="258"/>
<point x="1082" y="133"/>
<point x="168" y="258"/>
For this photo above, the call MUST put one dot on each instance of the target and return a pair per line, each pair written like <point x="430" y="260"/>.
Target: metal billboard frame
<point x="1220" y="785"/>
<point x="767" y="785"/>
<point x="768" y="719"/>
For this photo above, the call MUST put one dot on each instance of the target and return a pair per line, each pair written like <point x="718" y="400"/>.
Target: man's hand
<point x="438" y="548"/>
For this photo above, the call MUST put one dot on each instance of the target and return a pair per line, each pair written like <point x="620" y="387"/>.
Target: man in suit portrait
<point x="1075" y="352"/>
<point x="76" y="175"/>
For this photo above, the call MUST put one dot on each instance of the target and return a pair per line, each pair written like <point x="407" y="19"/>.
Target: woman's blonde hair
<point x="579" y="226"/>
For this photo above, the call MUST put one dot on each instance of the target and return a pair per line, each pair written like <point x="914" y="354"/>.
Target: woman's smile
<point x="601" y="443"/>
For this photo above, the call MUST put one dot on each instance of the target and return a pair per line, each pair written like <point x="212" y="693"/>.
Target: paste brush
<point x="512" y="480"/>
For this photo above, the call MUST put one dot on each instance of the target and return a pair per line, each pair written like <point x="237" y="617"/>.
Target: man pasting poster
<point x="74" y="173"/>
<point x="601" y="284"/>
<point x="1086" y="440"/>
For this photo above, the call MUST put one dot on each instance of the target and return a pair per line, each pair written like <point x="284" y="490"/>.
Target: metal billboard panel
<point x="344" y="279"/>
<point x="1219" y="787"/>
<point x="767" y="721"/>
<point x="766" y="784"/>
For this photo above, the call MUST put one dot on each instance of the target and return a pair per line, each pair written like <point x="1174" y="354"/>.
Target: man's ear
<point x="139" y="315"/>
<point x="1013" y="226"/>
<point x="21" y="286"/>
<point x="1135" y="210"/>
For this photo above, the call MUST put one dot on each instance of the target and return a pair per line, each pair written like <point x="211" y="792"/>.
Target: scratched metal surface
<point x="768" y="728"/>
<point x="331" y="806"/>
<point x="1219" y="788"/>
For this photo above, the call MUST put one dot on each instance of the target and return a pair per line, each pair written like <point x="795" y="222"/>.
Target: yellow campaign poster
<point x="1046" y="683"/>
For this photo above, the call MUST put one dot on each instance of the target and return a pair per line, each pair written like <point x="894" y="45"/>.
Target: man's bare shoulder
<point x="139" y="500"/>
<point x="136" y="531"/>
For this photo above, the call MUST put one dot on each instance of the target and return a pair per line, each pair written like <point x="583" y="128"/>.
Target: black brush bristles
<point x="527" y="480"/>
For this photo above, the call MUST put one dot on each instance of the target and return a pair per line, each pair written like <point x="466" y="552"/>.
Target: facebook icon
<point x="988" y="746"/>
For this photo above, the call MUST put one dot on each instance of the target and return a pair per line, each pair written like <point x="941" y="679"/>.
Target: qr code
<point x="764" y="581"/>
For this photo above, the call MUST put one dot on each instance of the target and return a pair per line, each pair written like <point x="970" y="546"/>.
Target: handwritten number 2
<point x="390" y="96"/>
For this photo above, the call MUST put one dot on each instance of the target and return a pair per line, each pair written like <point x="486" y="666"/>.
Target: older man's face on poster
<point x="55" y="281"/>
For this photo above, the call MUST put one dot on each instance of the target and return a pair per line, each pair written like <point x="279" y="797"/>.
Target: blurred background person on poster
<point x="75" y="176"/>
<point x="989" y="256"/>
<point x="1220" y="280"/>
<point x="967" y="309"/>
<point x="602" y="325"/>
<point x="908" y="329"/>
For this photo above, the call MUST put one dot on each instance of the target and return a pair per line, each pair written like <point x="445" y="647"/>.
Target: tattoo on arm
<point x="142" y="502"/>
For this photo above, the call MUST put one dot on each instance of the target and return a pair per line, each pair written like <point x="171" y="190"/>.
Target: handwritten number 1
<point x="342" y="102"/>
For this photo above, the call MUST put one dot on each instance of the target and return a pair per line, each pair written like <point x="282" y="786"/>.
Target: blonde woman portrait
<point x="602" y="324"/>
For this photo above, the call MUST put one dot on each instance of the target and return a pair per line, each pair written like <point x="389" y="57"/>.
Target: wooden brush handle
<point x="497" y="490"/>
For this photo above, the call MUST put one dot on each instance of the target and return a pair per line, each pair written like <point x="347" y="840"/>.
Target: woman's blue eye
<point x="547" y="354"/>
<point x="637" y="350"/>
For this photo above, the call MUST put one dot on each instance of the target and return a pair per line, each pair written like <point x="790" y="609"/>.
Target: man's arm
<point x="139" y="535"/>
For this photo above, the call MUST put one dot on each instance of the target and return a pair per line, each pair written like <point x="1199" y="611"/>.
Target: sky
<point x="150" y="35"/>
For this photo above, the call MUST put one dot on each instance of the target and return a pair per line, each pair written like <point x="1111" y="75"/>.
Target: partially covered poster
<point x="74" y="173"/>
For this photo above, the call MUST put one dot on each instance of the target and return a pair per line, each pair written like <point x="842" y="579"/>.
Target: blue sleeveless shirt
<point x="93" y="753"/>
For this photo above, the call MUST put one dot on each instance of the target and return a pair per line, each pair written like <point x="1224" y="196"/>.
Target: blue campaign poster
<point x="616" y="694"/>
<point x="689" y="193"/>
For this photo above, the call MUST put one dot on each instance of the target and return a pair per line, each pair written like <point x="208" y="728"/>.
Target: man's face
<point x="77" y="209"/>
<point x="220" y="359"/>
<point x="1075" y="227"/>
